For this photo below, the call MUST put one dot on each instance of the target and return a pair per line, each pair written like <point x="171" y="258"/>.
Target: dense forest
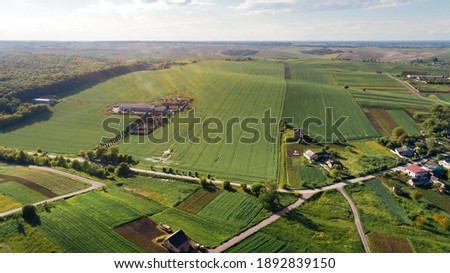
<point x="27" y="76"/>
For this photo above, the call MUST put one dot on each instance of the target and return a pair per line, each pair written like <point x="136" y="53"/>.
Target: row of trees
<point x="20" y="157"/>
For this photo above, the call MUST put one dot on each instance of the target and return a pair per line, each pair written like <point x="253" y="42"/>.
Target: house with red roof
<point x="416" y="172"/>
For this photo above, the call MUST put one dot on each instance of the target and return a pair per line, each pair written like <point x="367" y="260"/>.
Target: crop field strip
<point x="385" y="196"/>
<point x="382" y="243"/>
<point x="312" y="89"/>
<point x="197" y="201"/>
<point x="382" y="121"/>
<point x="168" y="193"/>
<point x="404" y="120"/>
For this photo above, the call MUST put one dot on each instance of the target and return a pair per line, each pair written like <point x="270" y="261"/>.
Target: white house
<point x="416" y="172"/>
<point x="445" y="163"/>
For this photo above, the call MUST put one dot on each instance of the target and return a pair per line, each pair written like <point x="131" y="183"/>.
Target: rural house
<point x="420" y="181"/>
<point x="404" y="151"/>
<point x="178" y="242"/>
<point x="415" y="171"/>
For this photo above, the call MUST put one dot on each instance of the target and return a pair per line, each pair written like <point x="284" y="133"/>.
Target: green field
<point x="312" y="176"/>
<point x="58" y="184"/>
<point x="385" y="196"/>
<point x="21" y="193"/>
<point x="168" y="193"/>
<point x="377" y="218"/>
<point x="323" y="224"/>
<point x="258" y="243"/>
<point x="404" y="120"/>
<point x="84" y="223"/>
<point x="197" y="201"/>
<point x="7" y="203"/>
<point x="234" y="209"/>
<point x="311" y="90"/>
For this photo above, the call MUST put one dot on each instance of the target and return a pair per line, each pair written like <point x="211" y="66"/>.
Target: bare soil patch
<point x="141" y="233"/>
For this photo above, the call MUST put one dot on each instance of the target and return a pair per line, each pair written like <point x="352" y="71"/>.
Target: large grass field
<point x="323" y="224"/>
<point x="227" y="91"/>
<point x="311" y="90"/>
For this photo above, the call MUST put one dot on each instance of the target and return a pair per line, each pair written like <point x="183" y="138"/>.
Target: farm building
<point x="178" y="242"/>
<point x="415" y="171"/>
<point x="310" y="155"/>
<point x="160" y="110"/>
<point x="135" y="108"/>
<point x="404" y="151"/>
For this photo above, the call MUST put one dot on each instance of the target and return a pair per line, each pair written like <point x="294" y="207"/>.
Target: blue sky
<point x="212" y="20"/>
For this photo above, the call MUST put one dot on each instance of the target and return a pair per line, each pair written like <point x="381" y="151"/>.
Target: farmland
<point x="326" y="216"/>
<point x="404" y="120"/>
<point x="197" y="201"/>
<point x="382" y="243"/>
<point x="168" y="193"/>
<point x="377" y="218"/>
<point x="385" y="196"/>
<point x="57" y="184"/>
<point x="142" y="232"/>
<point x="21" y="193"/>
<point x="382" y="121"/>
<point x="308" y="98"/>
<point x="225" y="216"/>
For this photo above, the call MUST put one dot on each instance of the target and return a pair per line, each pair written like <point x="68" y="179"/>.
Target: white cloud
<point x="286" y="6"/>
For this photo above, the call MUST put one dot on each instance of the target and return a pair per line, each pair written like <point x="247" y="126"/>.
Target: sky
<point x="219" y="20"/>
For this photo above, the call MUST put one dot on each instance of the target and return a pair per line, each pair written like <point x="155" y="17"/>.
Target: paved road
<point x="358" y="223"/>
<point x="260" y="225"/>
<point x="94" y="185"/>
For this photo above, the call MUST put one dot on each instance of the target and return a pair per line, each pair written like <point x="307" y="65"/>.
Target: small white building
<point x="415" y="171"/>
<point x="310" y="155"/>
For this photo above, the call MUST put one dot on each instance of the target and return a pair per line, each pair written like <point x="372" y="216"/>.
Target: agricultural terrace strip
<point x="21" y="193"/>
<point x="323" y="224"/>
<point x="197" y="201"/>
<point x="224" y="90"/>
<point x="389" y="100"/>
<point x="142" y="232"/>
<point x="57" y="184"/>
<point x="404" y="120"/>
<point x="382" y="121"/>
<point x="382" y="243"/>
<point x="168" y="193"/>
<point x="385" y="196"/>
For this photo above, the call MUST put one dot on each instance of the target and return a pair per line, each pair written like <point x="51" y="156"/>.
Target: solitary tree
<point x="268" y="196"/>
<point x="30" y="215"/>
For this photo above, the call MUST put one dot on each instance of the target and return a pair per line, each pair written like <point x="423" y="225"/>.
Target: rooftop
<point x="415" y="169"/>
<point x="178" y="238"/>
